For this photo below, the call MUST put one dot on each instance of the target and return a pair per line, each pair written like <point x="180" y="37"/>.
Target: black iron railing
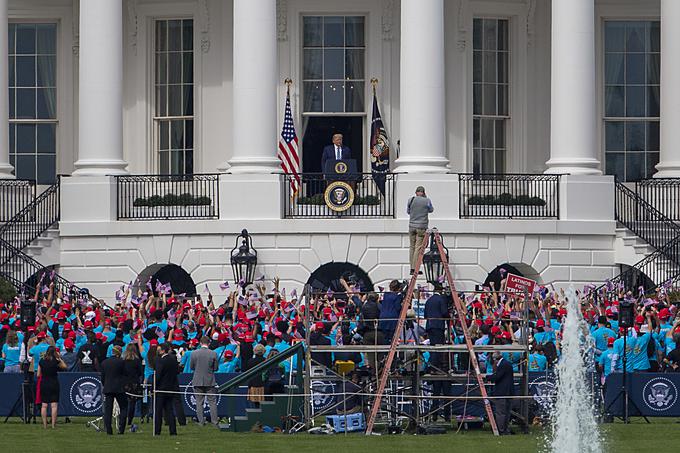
<point x="655" y="269"/>
<point x="310" y="202"/>
<point x="509" y="196"/>
<point x="34" y="219"/>
<point x="643" y="219"/>
<point x="15" y="195"/>
<point x="663" y="194"/>
<point x="159" y="197"/>
<point x="25" y="273"/>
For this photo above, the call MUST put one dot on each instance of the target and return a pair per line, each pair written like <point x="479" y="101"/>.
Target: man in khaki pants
<point x="418" y="208"/>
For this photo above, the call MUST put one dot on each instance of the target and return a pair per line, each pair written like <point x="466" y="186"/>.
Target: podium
<point x="341" y="170"/>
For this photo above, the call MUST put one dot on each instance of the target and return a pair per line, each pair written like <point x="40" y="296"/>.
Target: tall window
<point x="631" y="98"/>
<point x="490" y="95"/>
<point x="333" y="63"/>
<point x="33" y="101"/>
<point x="174" y="110"/>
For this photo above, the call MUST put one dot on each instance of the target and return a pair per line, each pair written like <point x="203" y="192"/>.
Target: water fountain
<point x="574" y="429"/>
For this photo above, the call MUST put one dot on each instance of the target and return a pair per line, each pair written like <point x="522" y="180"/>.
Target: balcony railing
<point x="663" y="194"/>
<point x="309" y="201"/>
<point x="509" y="196"/>
<point x="160" y="197"/>
<point x="15" y="195"/>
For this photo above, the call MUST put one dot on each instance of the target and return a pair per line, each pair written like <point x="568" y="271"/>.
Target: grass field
<point x="663" y="435"/>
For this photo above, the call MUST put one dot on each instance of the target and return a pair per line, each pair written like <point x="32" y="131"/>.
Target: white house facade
<point x="515" y="115"/>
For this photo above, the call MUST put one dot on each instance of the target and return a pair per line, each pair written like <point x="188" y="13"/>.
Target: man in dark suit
<point x="166" y="381"/>
<point x="504" y="385"/>
<point x="113" y="381"/>
<point x="436" y="314"/>
<point x="336" y="151"/>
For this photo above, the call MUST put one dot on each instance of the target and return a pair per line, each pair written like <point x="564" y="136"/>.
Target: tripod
<point x="624" y="385"/>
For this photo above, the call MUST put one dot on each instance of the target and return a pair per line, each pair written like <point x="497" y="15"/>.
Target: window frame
<point x="57" y="87"/>
<point x="322" y="80"/>
<point x="602" y="91"/>
<point x="155" y="118"/>
<point x="482" y="117"/>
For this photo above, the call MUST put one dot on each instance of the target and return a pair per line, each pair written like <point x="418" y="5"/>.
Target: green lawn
<point x="663" y="435"/>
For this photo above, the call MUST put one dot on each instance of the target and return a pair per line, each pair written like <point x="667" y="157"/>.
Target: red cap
<point x="639" y="319"/>
<point x="540" y="323"/>
<point x="318" y="326"/>
<point x="172" y="300"/>
<point x="178" y="335"/>
<point x="31" y="328"/>
<point x="193" y="342"/>
<point x="88" y="325"/>
<point x="99" y="336"/>
<point x="61" y="315"/>
<point x="42" y="335"/>
<point x="5" y="327"/>
<point x="248" y="338"/>
<point x="71" y="335"/>
<point x="220" y="311"/>
<point x="201" y="321"/>
<point x="68" y="326"/>
<point x="609" y="312"/>
<point x="488" y="321"/>
<point x="66" y="307"/>
<point x="562" y="311"/>
<point x="185" y="306"/>
<point x="664" y="313"/>
<point x="69" y="344"/>
<point x="229" y="353"/>
<point x="495" y="330"/>
<point x="153" y="343"/>
<point x="610" y="341"/>
<point x="506" y="335"/>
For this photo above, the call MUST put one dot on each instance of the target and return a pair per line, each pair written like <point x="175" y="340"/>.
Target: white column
<point x="573" y="120"/>
<point x="5" y="167"/>
<point x="669" y="159"/>
<point x="100" y="128"/>
<point x="255" y="81"/>
<point x="422" y="90"/>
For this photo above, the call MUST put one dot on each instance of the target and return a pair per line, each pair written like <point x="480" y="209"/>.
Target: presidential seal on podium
<point x="339" y="196"/>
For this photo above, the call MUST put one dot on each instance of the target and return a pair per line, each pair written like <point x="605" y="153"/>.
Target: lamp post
<point x="432" y="261"/>
<point x="243" y="260"/>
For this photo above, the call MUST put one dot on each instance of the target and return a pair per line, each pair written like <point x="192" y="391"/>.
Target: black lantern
<point x="434" y="268"/>
<point x="244" y="259"/>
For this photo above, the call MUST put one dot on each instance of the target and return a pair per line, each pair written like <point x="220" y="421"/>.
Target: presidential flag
<point x="288" y="148"/>
<point x="380" y="147"/>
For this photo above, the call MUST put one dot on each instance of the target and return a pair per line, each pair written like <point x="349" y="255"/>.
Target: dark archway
<point x="633" y="278"/>
<point x="179" y="279"/>
<point x="328" y="276"/>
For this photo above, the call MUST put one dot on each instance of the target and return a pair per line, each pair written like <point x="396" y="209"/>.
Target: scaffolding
<point x="395" y="389"/>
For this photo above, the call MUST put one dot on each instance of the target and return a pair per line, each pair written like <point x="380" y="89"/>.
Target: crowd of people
<point x="150" y="330"/>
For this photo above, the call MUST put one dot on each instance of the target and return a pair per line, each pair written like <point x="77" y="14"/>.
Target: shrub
<point x="170" y="199"/>
<point x="7" y="290"/>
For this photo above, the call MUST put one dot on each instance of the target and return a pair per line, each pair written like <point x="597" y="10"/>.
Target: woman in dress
<point x="134" y="370"/>
<point x="256" y="383"/>
<point x="48" y="367"/>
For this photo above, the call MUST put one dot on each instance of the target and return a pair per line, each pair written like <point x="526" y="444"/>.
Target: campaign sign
<point x="517" y="284"/>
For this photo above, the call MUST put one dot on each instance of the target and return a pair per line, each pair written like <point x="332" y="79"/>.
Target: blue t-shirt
<point x="148" y="371"/>
<point x="537" y="362"/>
<point x="185" y="362"/>
<point x="37" y="352"/>
<point x="544" y="337"/>
<point x="11" y="354"/>
<point x="640" y="358"/>
<point x="605" y="361"/>
<point x="228" y="367"/>
<point x="601" y="336"/>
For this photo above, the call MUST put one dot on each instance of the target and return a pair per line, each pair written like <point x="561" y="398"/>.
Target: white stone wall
<point x="104" y="263"/>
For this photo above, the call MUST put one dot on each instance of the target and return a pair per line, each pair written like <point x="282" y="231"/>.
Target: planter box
<point x="508" y="212"/>
<point x="321" y="211"/>
<point x="164" y="212"/>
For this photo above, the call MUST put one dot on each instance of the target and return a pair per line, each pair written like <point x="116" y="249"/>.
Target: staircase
<point x="29" y="233"/>
<point x="270" y="413"/>
<point x="654" y="238"/>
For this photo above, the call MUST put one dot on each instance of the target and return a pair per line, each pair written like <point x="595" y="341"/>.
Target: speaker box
<point x="626" y="314"/>
<point x="27" y="313"/>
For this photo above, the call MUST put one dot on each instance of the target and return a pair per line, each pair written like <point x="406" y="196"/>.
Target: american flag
<point x="288" y="148"/>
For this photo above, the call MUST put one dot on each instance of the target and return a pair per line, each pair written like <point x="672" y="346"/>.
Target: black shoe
<point x="411" y="272"/>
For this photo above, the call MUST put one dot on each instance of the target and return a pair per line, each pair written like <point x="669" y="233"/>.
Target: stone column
<point x="255" y="88"/>
<point x="573" y="120"/>
<point x="422" y="91"/>
<point x="5" y="168"/>
<point x="100" y="128"/>
<point x="669" y="159"/>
